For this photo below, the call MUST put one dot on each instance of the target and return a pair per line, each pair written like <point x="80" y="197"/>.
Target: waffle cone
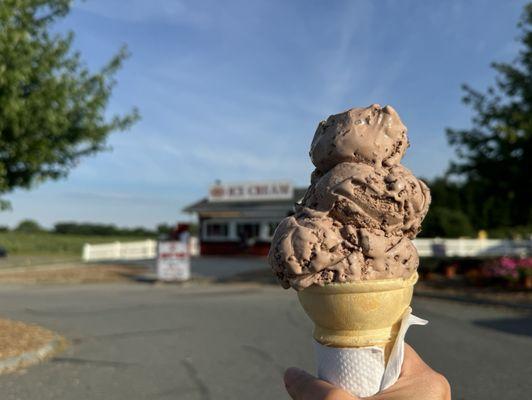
<point x="358" y="314"/>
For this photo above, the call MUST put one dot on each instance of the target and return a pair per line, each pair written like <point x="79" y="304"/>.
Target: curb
<point x="473" y="300"/>
<point x="31" y="357"/>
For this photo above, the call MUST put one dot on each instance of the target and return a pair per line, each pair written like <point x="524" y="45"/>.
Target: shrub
<point x="28" y="226"/>
<point x="508" y="268"/>
<point x="445" y="222"/>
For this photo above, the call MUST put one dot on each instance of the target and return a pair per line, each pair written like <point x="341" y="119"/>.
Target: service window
<point x="216" y="230"/>
<point x="248" y="230"/>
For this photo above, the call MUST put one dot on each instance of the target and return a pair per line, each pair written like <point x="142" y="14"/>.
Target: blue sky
<point x="234" y="89"/>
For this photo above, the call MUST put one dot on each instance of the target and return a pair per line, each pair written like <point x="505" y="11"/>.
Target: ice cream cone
<point x="358" y="314"/>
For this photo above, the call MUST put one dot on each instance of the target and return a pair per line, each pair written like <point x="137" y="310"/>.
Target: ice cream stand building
<point x="240" y="218"/>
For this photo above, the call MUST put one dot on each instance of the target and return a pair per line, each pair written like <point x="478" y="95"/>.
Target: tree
<point x="446" y="222"/>
<point x="495" y="154"/>
<point x="84" y="228"/>
<point x="448" y="212"/>
<point x="52" y="108"/>
<point x="28" y="226"/>
<point x="164" y="229"/>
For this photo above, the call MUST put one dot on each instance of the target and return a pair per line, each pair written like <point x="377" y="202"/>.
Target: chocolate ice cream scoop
<point x="361" y="210"/>
<point x="306" y="246"/>
<point x="372" y="135"/>
<point x="357" y="194"/>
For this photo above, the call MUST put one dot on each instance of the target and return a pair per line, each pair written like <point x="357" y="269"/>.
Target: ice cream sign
<point x="250" y="191"/>
<point x="173" y="261"/>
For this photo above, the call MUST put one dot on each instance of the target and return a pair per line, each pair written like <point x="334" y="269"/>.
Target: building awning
<point x="233" y="209"/>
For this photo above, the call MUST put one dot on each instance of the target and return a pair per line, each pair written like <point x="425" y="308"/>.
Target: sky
<point x="233" y="90"/>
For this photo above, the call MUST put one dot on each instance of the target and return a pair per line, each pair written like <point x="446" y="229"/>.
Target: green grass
<point x="53" y="245"/>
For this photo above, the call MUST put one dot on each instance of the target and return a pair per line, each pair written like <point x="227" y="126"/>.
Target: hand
<point x="417" y="382"/>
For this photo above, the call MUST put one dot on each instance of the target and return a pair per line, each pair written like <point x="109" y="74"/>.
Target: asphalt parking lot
<point x="217" y="267"/>
<point x="141" y="341"/>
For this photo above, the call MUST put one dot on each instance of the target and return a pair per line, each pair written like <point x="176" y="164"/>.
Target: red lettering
<point x="173" y="255"/>
<point x="284" y="189"/>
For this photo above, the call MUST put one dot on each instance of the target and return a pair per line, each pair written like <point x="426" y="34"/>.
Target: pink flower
<point x="505" y="267"/>
<point x="525" y="262"/>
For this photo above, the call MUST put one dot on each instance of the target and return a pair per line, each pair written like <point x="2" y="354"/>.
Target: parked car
<point x="3" y="252"/>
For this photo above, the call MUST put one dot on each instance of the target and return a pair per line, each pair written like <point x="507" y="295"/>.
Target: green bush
<point x="28" y="226"/>
<point x="445" y="222"/>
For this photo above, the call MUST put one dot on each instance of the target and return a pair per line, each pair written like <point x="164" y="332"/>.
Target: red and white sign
<point x="173" y="261"/>
<point x="251" y="191"/>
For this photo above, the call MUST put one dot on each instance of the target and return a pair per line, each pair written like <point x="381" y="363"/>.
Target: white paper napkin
<point x="361" y="371"/>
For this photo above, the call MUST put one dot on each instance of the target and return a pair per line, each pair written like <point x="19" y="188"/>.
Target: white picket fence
<point x="147" y="249"/>
<point x="472" y="247"/>
<point x="139" y="250"/>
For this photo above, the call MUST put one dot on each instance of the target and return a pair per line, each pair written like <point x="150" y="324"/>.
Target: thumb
<point x="300" y="385"/>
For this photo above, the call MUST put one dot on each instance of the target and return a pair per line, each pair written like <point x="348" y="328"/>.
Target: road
<point x="141" y="341"/>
